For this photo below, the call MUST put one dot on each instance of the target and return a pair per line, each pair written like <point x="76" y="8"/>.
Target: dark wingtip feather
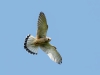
<point x="60" y="62"/>
<point x="41" y="12"/>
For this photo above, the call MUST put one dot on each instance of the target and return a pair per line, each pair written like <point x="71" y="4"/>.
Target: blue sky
<point x="74" y="26"/>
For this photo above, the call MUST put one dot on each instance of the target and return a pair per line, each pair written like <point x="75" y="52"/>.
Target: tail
<point x="29" y="46"/>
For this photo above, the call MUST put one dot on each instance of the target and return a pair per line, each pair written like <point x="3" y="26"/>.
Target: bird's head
<point x="49" y="39"/>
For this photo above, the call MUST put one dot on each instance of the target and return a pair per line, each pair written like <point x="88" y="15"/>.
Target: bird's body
<point x="41" y="40"/>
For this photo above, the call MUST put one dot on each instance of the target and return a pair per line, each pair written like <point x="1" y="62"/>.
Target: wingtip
<point x="60" y="62"/>
<point x="41" y="13"/>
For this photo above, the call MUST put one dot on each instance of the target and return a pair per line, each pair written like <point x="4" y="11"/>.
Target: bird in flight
<point x="32" y="43"/>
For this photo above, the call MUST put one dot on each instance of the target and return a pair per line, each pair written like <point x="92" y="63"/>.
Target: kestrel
<point x="41" y="40"/>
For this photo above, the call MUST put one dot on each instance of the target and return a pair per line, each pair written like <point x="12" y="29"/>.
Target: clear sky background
<point x="74" y="26"/>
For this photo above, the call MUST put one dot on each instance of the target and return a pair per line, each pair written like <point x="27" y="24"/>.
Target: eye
<point x="49" y="39"/>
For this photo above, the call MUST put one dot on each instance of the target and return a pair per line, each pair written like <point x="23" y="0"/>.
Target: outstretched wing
<point x="52" y="53"/>
<point x="42" y="26"/>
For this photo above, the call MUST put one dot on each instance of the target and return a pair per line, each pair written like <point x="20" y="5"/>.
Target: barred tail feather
<point x="29" y="46"/>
